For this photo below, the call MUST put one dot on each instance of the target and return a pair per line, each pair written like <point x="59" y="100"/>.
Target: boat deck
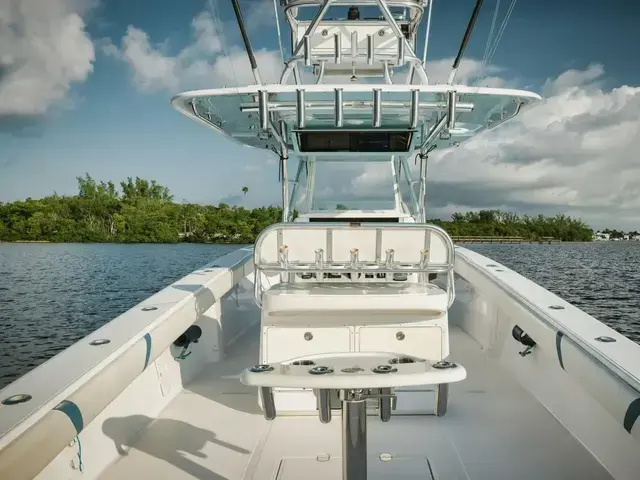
<point x="494" y="429"/>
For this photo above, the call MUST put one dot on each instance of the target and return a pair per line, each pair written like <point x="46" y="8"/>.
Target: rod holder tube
<point x="263" y="109"/>
<point x="306" y="45"/>
<point x="370" y="49"/>
<point x="377" y="107"/>
<point x="268" y="404"/>
<point x="283" y="256"/>
<point x="338" y="106"/>
<point x="324" y="405"/>
<point x="389" y="262"/>
<point x="355" y="253"/>
<point x="354" y="46"/>
<point x="337" y="40"/>
<point x="319" y="258"/>
<point x="300" y="108"/>
<point x="451" y="109"/>
<point x="415" y="108"/>
<point x="400" y="51"/>
<point x="424" y="258"/>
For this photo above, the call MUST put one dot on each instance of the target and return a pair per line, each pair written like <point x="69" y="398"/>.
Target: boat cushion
<point x="309" y="298"/>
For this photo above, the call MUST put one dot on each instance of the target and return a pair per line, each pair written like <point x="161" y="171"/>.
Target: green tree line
<point x="506" y="224"/>
<point x="143" y="211"/>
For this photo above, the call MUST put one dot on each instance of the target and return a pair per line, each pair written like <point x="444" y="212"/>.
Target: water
<point x="53" y="295"/>
<point x="601" y="278"/>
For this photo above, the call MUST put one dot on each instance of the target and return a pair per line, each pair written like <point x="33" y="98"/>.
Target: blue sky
<point x="108" y="126"/>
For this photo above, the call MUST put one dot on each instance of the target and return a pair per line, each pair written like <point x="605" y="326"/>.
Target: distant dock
<point x="496" y="239"/>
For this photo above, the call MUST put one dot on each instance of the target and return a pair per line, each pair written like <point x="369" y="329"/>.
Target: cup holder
<point x="304" y="363"/>
<point x="401" y="360"/>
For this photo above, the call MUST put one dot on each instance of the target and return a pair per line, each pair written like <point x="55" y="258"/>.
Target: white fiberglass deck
<point x="214" y="430"/>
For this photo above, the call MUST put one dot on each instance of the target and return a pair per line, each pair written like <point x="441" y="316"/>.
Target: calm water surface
<point x="53" y="295"/>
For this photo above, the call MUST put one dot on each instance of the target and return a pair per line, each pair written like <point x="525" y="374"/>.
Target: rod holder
<point x="283" y="256"/>
<point x="377" y="107"/>
<point x="414" y="109"/>
<point x="300" y="108"/>
<point x="306" y="45"/>
<point x="400" y="51"/>
<point x="324" y="405"/>
<point x="370" y="49"/>
<point x="263" y="109"/>
<point x="319" y="258"/>
<point x="338" y="106"/>
<point x="354" y="258"/>
<point x="451" y="110"/>
<point x="268" y="404"/>
<point x="389" y="262"/>
<point x="354" y="46"/>
<point x="337" y="41"/>
<point x="424" y="258"/>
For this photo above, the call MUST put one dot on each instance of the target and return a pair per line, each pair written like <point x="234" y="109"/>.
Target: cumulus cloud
<point x="207" y="62"/>
<point x="576" y="152"/>
<point x="44" y="50"/>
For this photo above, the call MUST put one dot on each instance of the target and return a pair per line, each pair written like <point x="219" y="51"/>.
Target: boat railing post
<point x="337" y="40"/>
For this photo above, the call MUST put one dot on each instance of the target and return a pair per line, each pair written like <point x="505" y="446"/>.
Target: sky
<point x="85" y="86"/>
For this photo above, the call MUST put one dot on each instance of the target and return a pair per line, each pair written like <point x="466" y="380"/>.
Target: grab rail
<point x="321" y="249"/>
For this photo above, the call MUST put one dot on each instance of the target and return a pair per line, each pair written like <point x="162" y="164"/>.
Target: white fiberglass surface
<point x="234" y="111"/>
<point x="493" y="430"/>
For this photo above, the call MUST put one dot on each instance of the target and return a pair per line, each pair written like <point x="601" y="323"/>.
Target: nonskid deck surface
<point x="493" y="430"/>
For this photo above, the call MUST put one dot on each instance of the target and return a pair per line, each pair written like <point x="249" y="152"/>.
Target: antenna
<point x="465" y="40"/>
<point x="247" y="44"/>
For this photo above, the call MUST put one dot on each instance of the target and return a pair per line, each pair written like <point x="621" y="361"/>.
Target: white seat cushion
<point x="310" y="297"/>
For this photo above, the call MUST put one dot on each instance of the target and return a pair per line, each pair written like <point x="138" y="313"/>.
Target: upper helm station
<point x="353" y="88"/>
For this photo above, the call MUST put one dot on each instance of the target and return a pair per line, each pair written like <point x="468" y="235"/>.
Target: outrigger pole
<point x="247" y="44"/>
<point x="465" y="40"/>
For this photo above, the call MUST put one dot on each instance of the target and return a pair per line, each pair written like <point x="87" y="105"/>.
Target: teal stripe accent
<point x="632" y="414"/>
<point x="147" y="356"/>
<point x="72" y="411"/>
<point x="559" y="336"/>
